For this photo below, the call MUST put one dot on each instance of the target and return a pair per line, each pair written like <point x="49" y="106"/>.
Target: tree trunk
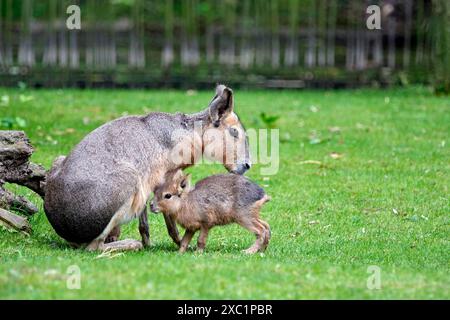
<point x="407" y="33"/>
<point x="391" y="27"/>
<point x="167" y="54"/>
<point x="227" y="38"/>
<point x="362" y="38"/>
<point x="331" y="33"/>
<point x="275" y="34"/>
<point x="2" y="63"/>
<point x="378" y="48"/>
<point x="310" y="55"/>
<point x="8" y="45"/>
<point x="74" y="52"/>
<point x="291" y="53"/>
<point x="51" y="51"/>
<point x="190" y="55"/>
<point x="246" y="55"/>
<point x="90" y="42"/>
<point x="419" y="31"/>
<point x="321" y="30"/>
<point x="63" y="53"/>
<point x="136" y="54"/>
<point x="259" y="34"/>
<point x="351" y="38"/>
<point x="26" y="54"/>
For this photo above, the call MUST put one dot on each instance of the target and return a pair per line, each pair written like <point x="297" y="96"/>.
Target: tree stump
<point x="15" y="152"/>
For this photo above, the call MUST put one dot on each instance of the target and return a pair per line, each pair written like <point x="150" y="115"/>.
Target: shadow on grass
<point x="59" y="245"/>
<point x="167" y="247"/>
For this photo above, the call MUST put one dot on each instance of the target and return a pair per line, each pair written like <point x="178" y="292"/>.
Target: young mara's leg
<point x="201" y="242"/>
<point x="143" y="227"/>
<point x="172" y="229"/>
<point x="267" y="233"/>
<point x="266" y="225"/>
<point x="259" y="223"/>
<point x="186" y="240"/>
<point x="258" y="230"/>
<point x="119" y="216"/>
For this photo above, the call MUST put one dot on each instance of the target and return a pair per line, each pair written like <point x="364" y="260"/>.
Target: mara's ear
<point x="186" y="182"/>
<point x="221" y="105"/>
<point x="178" y="176"/>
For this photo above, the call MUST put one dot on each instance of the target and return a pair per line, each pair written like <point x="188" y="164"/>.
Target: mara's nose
<point x="153" y="207"/>
<point x="242" y="168"/>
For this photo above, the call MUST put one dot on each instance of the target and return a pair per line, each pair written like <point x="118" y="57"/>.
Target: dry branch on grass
<point x="14" y="221"/>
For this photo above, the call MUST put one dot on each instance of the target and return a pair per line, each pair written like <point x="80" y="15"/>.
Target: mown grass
<point x="382" y="201"/>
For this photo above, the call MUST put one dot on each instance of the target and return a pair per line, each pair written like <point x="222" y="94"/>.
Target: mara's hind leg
<point x="123" y="245"/>
<point x="259" y="223"/>
<point x="258" y="230"/>
<point x="267" y="233"/>
<point x="201" y="242"/>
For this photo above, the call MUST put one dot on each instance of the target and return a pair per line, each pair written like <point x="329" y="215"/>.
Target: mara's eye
<point x="167" y="196"/>
<point x="183" y="184"/>
<point x="234" y="132"/>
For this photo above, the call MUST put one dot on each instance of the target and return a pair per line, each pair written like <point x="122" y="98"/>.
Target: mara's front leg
<point x="143" y="227"/>
<point x="186" y="240"/>
<point x="172" y="229"/>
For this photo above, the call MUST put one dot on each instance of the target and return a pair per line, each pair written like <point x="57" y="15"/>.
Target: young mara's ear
<point x="221" y="105"/>
<point x="186" y="182"/>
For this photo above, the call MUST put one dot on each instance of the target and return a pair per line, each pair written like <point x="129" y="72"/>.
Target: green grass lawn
<point x="382" y="200"/>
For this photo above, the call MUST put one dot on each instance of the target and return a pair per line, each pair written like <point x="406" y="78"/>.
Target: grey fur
<point x="108" y="166"/>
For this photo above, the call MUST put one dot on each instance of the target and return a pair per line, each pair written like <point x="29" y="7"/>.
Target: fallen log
<point x="8" y="200"/>
<point x="14" y="221"/>
<point x="15" y="152"/>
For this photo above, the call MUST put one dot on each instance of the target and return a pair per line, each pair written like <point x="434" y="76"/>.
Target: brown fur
<point x="216" y="200"/>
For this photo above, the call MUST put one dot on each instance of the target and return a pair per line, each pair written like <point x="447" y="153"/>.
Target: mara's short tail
<point x="263" y="200"/>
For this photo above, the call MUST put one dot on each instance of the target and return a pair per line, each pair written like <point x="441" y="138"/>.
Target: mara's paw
<point x="95" y="245"/>
<point x="182" y="250"/>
